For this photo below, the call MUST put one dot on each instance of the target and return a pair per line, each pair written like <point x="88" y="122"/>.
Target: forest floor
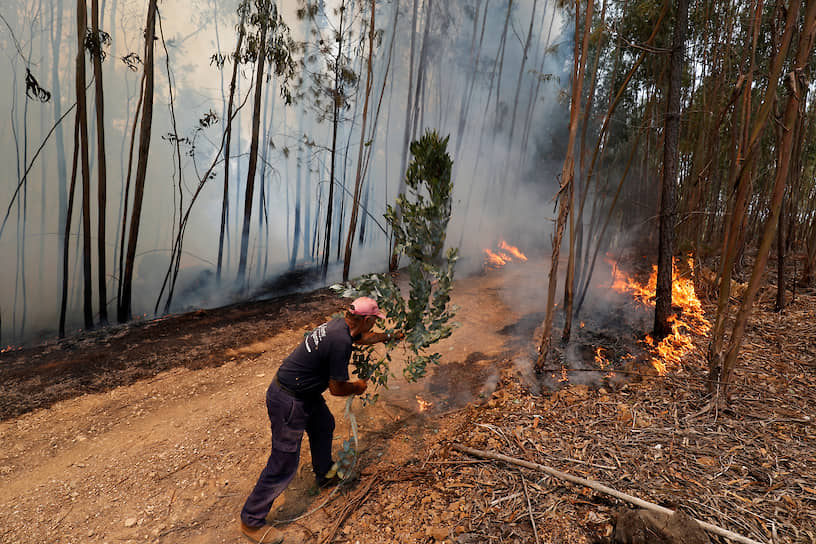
<point x="156" y="431"/>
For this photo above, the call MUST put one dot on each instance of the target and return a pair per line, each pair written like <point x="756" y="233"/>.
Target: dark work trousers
<point x="289" y="417"/>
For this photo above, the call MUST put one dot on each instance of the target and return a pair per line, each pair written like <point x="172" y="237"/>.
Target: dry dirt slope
<point x="172" y="436"/>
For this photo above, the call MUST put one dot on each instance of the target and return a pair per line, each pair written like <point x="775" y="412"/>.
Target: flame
<point x="10" y="348"/>
<point x="600" y="359"/>
<point x="668" y="353"/>
<point x="503" y="255"/>
<point x="423" y="404"/>
<point x="514" y="251"/>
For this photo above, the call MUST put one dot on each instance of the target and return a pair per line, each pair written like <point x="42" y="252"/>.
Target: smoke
<point x="505" y="167"/>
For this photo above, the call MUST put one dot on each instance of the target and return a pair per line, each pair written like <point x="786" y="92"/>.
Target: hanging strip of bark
<point x="600" y="488"/>
<point x="567" y="178"/>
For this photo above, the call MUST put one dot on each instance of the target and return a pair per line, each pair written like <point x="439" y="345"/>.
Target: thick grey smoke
<point x="505" y="167"/>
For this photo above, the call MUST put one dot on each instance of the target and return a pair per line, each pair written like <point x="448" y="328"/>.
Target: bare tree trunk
<point x="228" y="130"/>
<point x="336" y="98"/>
<point x="567" y="175"/>
<point x="62" y="174"/>
<point x="253" y="155"/>
<point x="82" y="115"/>
<point x="742" y="177"/>
<point x="66" y="241"/>
<point x="102" y="164"/>
<point x="668" y="198"/>
<point x="521" y="73"/>
<point x="394" y="262"/>
<point x="124" y="311"/>
<point x="358" y="182"/>
<point x="796" y="82"/>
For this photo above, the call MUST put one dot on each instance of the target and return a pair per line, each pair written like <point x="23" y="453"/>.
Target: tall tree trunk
<point x="62" y="174"/>
<point x="101" y="166"/>
<point x="797" y="84"/>
<point x="227" y="147"/>
<point x="125" y="307"/>
<point x="358" y="181"/>
<point x="406" y="142"/>
<point x="567" y="175"/>
<point x="253" y="154"/>
<point x="82" y="115"/>
<point x="66" y="229"/>
<point x="668" y="198"/>
<point x="521" y="73"/>
<point x="337" y="97"/>
<point x="741" y="176"/>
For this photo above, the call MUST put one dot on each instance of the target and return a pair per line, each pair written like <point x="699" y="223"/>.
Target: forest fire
<point x="668" y="353"/>
<point x="503" y="255"/>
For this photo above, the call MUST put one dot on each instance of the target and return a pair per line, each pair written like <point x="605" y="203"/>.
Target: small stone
<point x="131" y="522"/>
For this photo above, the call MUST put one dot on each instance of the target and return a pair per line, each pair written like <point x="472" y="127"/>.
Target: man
<point x="295" y="404"/>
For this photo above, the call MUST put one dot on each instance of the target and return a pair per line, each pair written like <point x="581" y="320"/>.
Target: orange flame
<point x="423" y="404"/>
<point x="505" y="254"/>
<point x="514" y="251"/>
<point x="668" y="353"/>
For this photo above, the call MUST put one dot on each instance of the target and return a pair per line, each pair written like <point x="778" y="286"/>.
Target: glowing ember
<point x="9" y="348"/>
<point x="503" y="255"/>
<point x="423" y="404"/>
<point x="669" y="352"/>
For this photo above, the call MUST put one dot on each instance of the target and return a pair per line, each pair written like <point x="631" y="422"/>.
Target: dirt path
<point x="171" y="458"/>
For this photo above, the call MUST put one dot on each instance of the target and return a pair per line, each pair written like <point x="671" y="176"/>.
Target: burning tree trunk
<point x="668" y="213"/>
<point x="796" y="82"/>
<point x="567" y="176"/>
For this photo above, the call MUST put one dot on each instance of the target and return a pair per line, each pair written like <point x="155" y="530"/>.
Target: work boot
<point x="265" y="534"/>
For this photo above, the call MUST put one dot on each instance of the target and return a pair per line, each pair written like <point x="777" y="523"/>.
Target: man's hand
<point x="345" y="389"/>
<point x="361" y="386"/>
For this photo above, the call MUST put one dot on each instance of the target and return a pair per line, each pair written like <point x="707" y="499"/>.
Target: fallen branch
<point x="598" y="487"/>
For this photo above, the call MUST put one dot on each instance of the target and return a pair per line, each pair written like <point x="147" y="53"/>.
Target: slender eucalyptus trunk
<point x="668" y="198"/>
<point x="125" y="309"/>
<point x="82" y="115"/>
<point x="101" y="168"/>
<point x="358" y="181"/>
<point x="567" y="175"/>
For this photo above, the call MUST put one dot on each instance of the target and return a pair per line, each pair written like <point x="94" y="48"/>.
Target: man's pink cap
<point x="366" y="306"/>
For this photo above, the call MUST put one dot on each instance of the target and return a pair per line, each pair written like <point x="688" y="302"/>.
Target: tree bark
<point x="124" y="311"/>
<point x="567" y="176"/>
<point x="358" y="181"/>
<point x="671" y="152"/>
<point x="253" y="154"/>
<point x="101" y="167"/>
<point x="227" y="146"/>
<point x="797" y="83"/>
<point x="82" y="116"/>
<point x="741" y="174"/>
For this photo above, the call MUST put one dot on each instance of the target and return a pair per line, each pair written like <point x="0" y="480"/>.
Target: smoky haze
<point x="505" y="164"/>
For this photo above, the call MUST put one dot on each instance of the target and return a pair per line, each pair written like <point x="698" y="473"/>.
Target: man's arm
<point x="369" y="338"/>
<point x="345" y="389"/>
